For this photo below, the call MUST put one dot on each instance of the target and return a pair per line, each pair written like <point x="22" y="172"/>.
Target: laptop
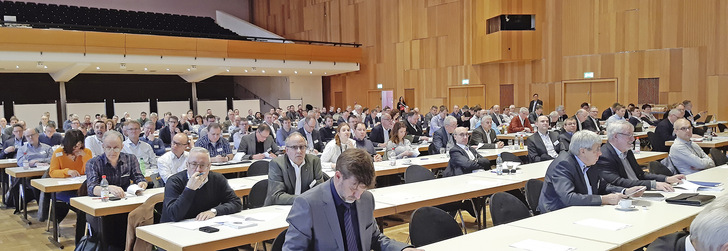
<point x="707" y="120"/>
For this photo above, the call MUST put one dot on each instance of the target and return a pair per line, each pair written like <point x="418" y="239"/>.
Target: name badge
<point x="315" y="141"/>
<point x="59" y="154"/>
<point x="156" y="146"/>
<point x="313" y="183"/>
<point x="42" y="152"/>
<point x="219" y="149"/>
<point x="556" y="142"/>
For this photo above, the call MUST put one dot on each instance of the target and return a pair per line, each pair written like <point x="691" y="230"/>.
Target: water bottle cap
<point x="103" y="176"/>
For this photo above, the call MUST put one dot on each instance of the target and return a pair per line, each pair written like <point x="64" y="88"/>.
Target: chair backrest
<point x="157" y="180"/>
<point x="430" y="224"/>
<point x="718" y="156"/>
<point x="257" y="195"/>
<point x="258" y="168"/>
<point x="505" y="208"/>
<point x="507" y="156"/>
<point x="278" y="242"/>
<point x="431" y="149"/>
<point x="721" y="127"/>
<point x="657" y="167"/>
<point x="416" y="173"/>
<point x="533" y="193"/>
<point x="655" y="147"/>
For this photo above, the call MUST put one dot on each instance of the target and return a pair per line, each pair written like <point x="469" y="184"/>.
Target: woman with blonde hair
<point x="398" y="146"/>
<point x="332" y="150"/>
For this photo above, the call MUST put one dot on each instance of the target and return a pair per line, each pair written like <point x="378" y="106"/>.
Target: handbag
<point x="691" y="199"/>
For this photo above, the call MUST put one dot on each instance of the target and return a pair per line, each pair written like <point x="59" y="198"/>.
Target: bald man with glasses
<point x="685" y="156"/>
<point x="293" y="173"/>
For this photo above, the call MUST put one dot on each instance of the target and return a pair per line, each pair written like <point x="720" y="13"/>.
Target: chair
<point x="258" y="168"/>
<point x="506" y="208"/>
<point x="721" y="127"/>
<point x="653" y="138"/>
<point x="533" y="193"/>
<point x="430" y="224"/>
<point x="431" y="149"/>
<point x="507" y="156"/>
<point x="416" y="173"/>
<point x="278" y="242"/>
<point x="657" y="167"/>
<point x="718" y="156"/>
<point x="157" y="180"/>
<point x="257" y="195"/>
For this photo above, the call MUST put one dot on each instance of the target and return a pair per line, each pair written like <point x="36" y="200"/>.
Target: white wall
<point x="219" y="108"/>
<point x="83" y="109"/>
<point x="177" y="108"/>
<point x="31" y="113"/>
<point x="238" y="8"/>
<point x="308" y="89"/>
<point x="245" y="105"/>
<point x="270" y="89"/>
<point x="133" y="108"/>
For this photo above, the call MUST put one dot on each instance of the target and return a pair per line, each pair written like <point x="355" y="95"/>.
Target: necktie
<point x="351" y="244"/>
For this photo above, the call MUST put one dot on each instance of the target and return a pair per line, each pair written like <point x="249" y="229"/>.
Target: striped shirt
<point x="221" y="147"/>
<point x="125" y="173"/>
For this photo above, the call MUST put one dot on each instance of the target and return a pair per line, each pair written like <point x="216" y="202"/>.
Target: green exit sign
<point x="589" y="74"/>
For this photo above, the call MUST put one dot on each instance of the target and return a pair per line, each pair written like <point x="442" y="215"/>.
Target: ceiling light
<point x="145" y="68"/>
<point x="17" y="67"/>
<point x="324" y="73"/>
<point x="122" y="66"/>
<point x="263" y="71"/>
<point x="98" y="68"/>
<point x="188" y="69"/>
<point x="227" y="70"/>
<point x="310" y="72"/>
<point x="246" y="70"/>
<point x="45" y="67"/>
<point x="279" y="72"/>
<point x="167" y="69"/>
<point x="295" y="72"/>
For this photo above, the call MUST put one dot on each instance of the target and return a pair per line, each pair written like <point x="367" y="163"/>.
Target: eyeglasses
<point x="114" y="149"/>
<point x="179" y="144"/>
<point x="687" y="128"/>
<point x="298" y="148"/>
<point x="628" y="135"/>
<point x="28" y="136"/>
<point x="197" y="165"/>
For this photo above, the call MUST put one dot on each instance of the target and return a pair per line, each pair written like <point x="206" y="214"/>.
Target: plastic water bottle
<point x="709" y="134"/>
<point x="520" y="141"/>
<point x="104" y="189"/>
<point x="499" y="165"/>
<point x="637" y="145"/>
<point x="142" y="166"/>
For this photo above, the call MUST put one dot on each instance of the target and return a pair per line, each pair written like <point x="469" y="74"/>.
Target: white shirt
<point x="549" y="145"/>
<point x="141" y="150"/>
<point x="297" y="170"/>
<point x="168" y="164"/>
<point x="332" y="151"/>
<point x="689" y="244"/>
<point x="94" y="144"/>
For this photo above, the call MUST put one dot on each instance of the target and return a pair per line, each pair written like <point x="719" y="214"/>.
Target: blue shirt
<point x="42" y="153"/>
<point x="125" y="173"/>
<point x="221" y="147"/>
<point x="340" y="208"/>
<point x="54" y="140"/>
<point x="282" y="135"/>
<point x="157" y="145"/>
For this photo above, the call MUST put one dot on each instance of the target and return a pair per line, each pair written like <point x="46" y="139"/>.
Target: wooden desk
<point x="645" y="157"/>
<point x="5" y="163"/>
<point x="712" y="124"/>
<point x="716" y="142"/>
<point x="93" y="205"/>
<point x="501" y="237"/>
<point x="53" y="186"/>
<point x="22" y="174"/>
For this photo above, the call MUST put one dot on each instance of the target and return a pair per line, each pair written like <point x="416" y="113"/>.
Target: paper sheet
<point x="693" y="188"/>
<point x="597" y="223"/>
<point x="74" y="180"/>
<point x="534" y="245"/>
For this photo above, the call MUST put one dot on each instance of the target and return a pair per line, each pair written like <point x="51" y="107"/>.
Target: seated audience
<point x="708" y="231"/>
<point x="93" y="142"/>
<point x="217" y="146"/>
<point x="414" y="129"/>
<point x="485" y="135"/>
<point x="520" y="123"/>
<point x="258" y="145"/>
<point x="544" y="144"/>
<point x="381" y="133"/>
<point x="11" y="146"/>
<point x="398" y="146"/>
<point x="174" y="161"/>
<point x="665" y="131"/>
<point x="312" y="135"/>
<point x="619" y="112"/>
<point x="360" y="137"/>
<point x="569" y="130"/>
<point x="284" y="131"/>
<point x="334" y="148"/>
<point x="292" y="173"/>
<point x="327" y="132"/>
<point x="592" y="122"/>
<point x="442" y="139"/>
<point x="685" y="156"/>
<point x="50" y="136"/>
<point x="169" y="131"/>
<point x="137" y="148"/>
<point x="464" y="159"/>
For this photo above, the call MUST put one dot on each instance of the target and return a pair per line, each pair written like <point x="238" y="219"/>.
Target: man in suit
<point x="327" y="132"/>
<point x="270" y="122"/>
<point x="463" y="159"/>
<point x="689" y="112"/>
<point x="569" y="130"/>
<point x="664" y="131"/>
<point x="497" y="116"/>
<point x="442" y="138"/>
<point x="533" y="117"/>
<point x="520" y="123"/>
<point x="708" y="231"/>
<point x="618" y="166"/>
<point x="169" y="131"/>
<point x="609" y="111"/>
<point x="258" y="145"/>
<point x="338" y="214"/>
<point x="414" y="129"/>
<point x="569" y="182"/>
<point x="580" y="117"/>
<point x="535" y="102"/>
<point x="380" y="133"/>
<point x="12" y="145"/>
<point x="313" y="137"/>
<point x="592" y="122"/>
<point x="543" y="145"/>
<point x="485" y="135"/>
<point x="293" y="173"/>
<point x="437" y="121"/>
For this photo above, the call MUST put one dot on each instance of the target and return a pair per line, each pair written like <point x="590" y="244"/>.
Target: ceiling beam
<point x="202" y="75"/>
<point x="69" y="72"/>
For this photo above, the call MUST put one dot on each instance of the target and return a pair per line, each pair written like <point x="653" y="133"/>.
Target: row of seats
<point x="40" y="15"/>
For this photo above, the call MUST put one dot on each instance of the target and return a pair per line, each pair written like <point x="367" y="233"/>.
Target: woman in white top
<point x="334" y="148"/>
<point x="398" y="145"/>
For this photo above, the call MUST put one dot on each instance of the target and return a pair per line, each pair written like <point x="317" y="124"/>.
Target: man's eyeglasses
<point x="686" y="129"/>
<point x="298" y="148"/>
<point x="179" y="144"/>
<point x="196" y="165"/>
<point x="114" y="149"/>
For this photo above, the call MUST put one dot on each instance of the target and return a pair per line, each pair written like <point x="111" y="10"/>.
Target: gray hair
<point x="523" y="110"/>
<point x="560" y="108"/>
<point x="580" y="111"/>
<point x="197" y="149"/>
<point x="112" y="133"/>
<point x="484" y="118"/>
<point x="554" y="113"/>
<point x="675" y="112"/>
<point x="710" y="228"/>
<point x="150" y="123"/>
<point x="450" y="120"/>
<point x="619" y="126"/>
<point x="296" y="134"/>
<point x="583" y="139"/>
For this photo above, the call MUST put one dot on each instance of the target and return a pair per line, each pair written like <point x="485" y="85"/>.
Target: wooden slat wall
<point x="428" y="45"/>
<point x="17" y="39"/>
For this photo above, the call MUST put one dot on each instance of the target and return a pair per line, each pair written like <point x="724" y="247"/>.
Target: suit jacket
<point x="591" y="124"/>
<point x="8" y="143"/>
<point x="607" y="113"/>
<point x="531" y="106"/>
<point x="165" y="137"/>
<point x="318" y="143"/>
<point x="439" y="139"/>
<point x="282" y="179"/>
<point x="496" y="117"/>
<point x="414" y="130"/>
<point x="460" y="163"/>
<point x="565" y="140"/>
<point x="564" y="185"/>
<point x="248" y="144"/>
<point x="612" y="170"/>
<point x="480" y="136"/>
<point x="516" y="125"/>
<point x="533" y="117"/>
<point x="537" y="149"/>
<point x="663" y="132"/>
<point x="377" y="135"/>
<point x="670" y="242"/>
<point x="313" y="223"/>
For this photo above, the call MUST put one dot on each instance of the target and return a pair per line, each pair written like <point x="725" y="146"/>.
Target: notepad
<point x="603" y="224"/>
<point x="696" y="186"/>
<point x="534" y="245"/>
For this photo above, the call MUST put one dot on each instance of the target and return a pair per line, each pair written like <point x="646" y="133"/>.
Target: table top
<point x="21" y="172"/>
<point x="715" y="174"/>
<point x="501" y="237"/>
<point x="712" y="124"/>
<point x="52" y="185"/>
<point x="93" y="205"/>
<point x="720" y="141"/>
<point x="5" y="163"/>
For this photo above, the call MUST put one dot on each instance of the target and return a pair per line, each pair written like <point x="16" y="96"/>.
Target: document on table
<point x="534" y="245"/>
<point x="226" y="220"/>
<point x="74" y="180"/>
<point x="699" y="186"/>
<point x="597" y="223"/>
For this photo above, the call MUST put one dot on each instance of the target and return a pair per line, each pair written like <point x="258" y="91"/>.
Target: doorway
<point x="409" y="98"/>
<point x="601" y="93"/>
<point x="339" y="100"/>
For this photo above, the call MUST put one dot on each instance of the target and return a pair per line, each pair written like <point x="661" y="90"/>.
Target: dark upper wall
<point x="238" y="8"/>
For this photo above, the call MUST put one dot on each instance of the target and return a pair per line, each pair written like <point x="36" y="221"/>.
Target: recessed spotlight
<point x="310" y="72"/>
<point x="227" y="70"/>
<point x="145" y="68"/>
<point x="45" y="67"/>
<point x="279" y="72"/>
<point x="17" y="67"/>
<point x="295" y="72"/>
<point x="188" y="69"/>
<point x="263" y="71"/>
<point x="98" y="68"/>
<point x="324" y="73"/>
<point x="167" y="69"/>
<point x="246" y="70"/>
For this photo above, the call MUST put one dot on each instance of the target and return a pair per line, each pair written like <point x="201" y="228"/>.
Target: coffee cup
<point x="625" y="204"/>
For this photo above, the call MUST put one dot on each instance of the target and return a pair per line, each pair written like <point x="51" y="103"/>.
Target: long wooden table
<point x="715" y="143"/>
<point x="5" y="163"/>
<point x="510" y="136"/>
<point x="22" y="174"/>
